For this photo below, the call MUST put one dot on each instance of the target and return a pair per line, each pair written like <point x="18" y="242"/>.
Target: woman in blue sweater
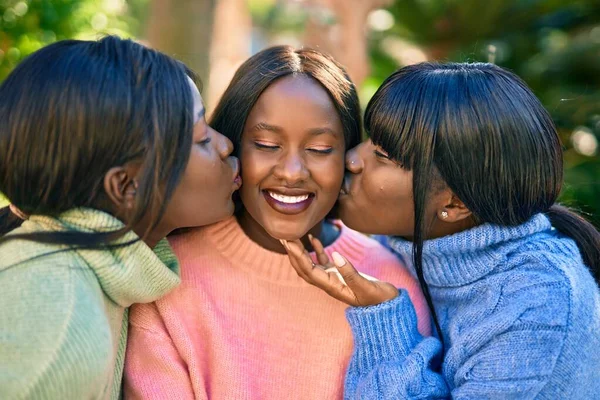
<point x="462" y="171"/>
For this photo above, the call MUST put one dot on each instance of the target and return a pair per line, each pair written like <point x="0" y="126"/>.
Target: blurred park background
<point x="554" y="45"/>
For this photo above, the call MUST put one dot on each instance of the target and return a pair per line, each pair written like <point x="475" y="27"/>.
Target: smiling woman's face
<point x="292" y="155"/>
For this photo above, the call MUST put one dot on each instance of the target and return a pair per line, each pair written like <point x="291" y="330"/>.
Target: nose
<point x="354" y="162"/>
<point x="291" y="168"/>
<point x="223" y="145"/>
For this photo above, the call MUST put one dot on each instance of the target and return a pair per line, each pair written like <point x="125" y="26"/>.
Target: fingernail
<point x="310" y="237"/>
<point x="338" y="260"/>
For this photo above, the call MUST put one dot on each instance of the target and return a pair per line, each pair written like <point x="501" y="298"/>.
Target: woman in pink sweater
<point x="243" y="324"/>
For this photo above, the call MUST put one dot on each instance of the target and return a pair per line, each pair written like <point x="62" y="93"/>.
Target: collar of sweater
<point x="467" y="256"/>
<point x="131" y="274"/>
<point x="231" y="241"/>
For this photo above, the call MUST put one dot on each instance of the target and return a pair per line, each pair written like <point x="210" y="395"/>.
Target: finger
<point x="334" y="270"/>
<point x="303" y="251"/>
<point x="366" y="289"/>
<point x="351" y="276"/>
<point x="369" y="277"/>
<point x="319" y="250"/>
<point x="332" y="283"/>
<point x="300" y="259"/>
<point x="297" y="263"/>
<point x="316" y="276"/>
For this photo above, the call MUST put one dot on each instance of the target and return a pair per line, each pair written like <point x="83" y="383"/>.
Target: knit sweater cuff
<point x="384" y="332"/>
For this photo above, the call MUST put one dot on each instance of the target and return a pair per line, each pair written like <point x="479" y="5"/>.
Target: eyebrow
<point x="263" y="126"/>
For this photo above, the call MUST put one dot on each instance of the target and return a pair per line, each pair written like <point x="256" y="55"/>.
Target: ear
<point x="453" y="209"/>
<point x="121" y="186"/>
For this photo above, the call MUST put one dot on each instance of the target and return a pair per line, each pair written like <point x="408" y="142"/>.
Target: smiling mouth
<point x="288" y="199"/>
<point x="290" y="203"/>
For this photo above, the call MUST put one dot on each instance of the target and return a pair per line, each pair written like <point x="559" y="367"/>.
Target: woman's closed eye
<point x="380" y="154"/>
<point x="321" y="149"/>
<point x="204" y="141"/>
<point x="266" y="145"/>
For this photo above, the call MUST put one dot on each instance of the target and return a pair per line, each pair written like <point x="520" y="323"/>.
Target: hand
<point x="338" y="279"/>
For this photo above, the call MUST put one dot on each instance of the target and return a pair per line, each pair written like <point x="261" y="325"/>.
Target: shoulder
<point x="548" y="261"/>
<point x="543" y="283"/>
<point x="53" y="314"/>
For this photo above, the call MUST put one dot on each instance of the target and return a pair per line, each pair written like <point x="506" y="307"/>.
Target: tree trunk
<point x="183" y="29"/>
<point x="231" y="46"/>
<point x="346" y="40"/>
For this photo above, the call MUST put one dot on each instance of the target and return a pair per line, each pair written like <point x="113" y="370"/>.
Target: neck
<point x="154" y="236"/>
<point x="324" y="230"/>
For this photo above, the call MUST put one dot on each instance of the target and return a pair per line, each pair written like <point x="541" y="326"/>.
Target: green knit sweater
<point x="63" y="315"/>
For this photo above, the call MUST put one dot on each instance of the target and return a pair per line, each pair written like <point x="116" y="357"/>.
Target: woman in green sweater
<point x="104" y="150"/>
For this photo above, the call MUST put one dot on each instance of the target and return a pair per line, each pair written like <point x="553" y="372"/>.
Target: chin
<point x="285" y="232"/>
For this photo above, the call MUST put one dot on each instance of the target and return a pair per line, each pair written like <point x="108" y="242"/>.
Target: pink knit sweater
<point x="243" y="325"/>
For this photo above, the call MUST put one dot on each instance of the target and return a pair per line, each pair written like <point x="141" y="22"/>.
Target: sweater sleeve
<point x="55" y="341"/>
<point x="391" y="359"/>
<point x="385" y="266"/>
<point x="509" y="353"/>
<point x="154" y="368"/>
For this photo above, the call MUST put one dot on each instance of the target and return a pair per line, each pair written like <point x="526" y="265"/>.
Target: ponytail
<point x="8" y="221"/>
<point x="582" y="232"/>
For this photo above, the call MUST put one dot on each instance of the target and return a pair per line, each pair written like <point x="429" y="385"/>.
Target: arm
<point x="154" y="368"/>
<point x="509" y="350"/>
<point x="391" y="359"/>
<point x="510" y="353"/>
<point x="54" y="336"/>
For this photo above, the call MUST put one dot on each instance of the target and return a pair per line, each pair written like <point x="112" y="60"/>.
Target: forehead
<point x="297" y="95"/>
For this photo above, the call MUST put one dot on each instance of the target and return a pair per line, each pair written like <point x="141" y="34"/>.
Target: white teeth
<point x="288" y="199"/>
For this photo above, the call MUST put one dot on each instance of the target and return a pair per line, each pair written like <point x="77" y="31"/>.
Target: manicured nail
<point x="310" y="237"/>
<point x="338" y="260"/>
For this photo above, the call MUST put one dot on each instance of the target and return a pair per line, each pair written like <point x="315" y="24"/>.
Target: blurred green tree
<point x="553" y="45"/>
<point x="27" y="25"/>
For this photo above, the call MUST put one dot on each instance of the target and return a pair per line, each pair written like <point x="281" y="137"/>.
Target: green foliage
<point x="27" y="25"/>
<point x="553" y="45"/>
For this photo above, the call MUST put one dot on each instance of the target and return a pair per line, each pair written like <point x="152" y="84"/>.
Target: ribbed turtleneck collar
<point x="467" y="256"/>
<point x="231" y="241"/>
<point x="131" y="274"/>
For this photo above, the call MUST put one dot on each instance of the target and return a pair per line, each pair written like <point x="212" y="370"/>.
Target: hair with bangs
<point x="73" y="110"/>
<point x="479" y="129"/>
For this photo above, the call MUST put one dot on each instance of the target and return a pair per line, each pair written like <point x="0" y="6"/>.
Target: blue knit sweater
<point x="519" y="313"/>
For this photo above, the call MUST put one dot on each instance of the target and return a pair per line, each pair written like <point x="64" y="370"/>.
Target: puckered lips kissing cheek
<point x="288" y="201"/>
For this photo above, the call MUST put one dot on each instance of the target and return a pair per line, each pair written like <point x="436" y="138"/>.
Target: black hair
<point x="257" y="73"/>
<point x="73" y="110"/>
<point x="481" y="121"/>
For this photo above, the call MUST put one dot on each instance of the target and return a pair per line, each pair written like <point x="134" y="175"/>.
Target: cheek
<point x="329" y="174"/>
<point x="388" y="191"/>
<point x="204" y="177"/>
<point x="254" y="170"/>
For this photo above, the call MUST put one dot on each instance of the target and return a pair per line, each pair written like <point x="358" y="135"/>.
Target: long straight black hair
<point x="73" y="110"/>
<point x="489" y="138"/>
<point x="257" y="73"/>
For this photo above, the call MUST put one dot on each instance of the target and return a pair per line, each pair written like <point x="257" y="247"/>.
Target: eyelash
<point x="205" y="141"/>
<point x="265" y="146"/>
<point x="379" y="154"/>
<point x="272" y="148"/>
